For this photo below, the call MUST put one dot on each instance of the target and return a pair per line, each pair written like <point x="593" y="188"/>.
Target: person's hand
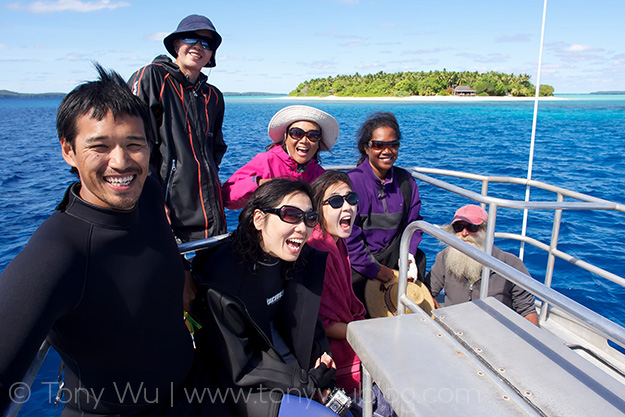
<point x="167" y="211"/>
<point x="263" y="180"/>
<point x="190" y="289"/>
<point x="412" y="268"/>
<point x="327" y="360"/>
<point x="327" y="363"/>
<point x="385" y="274"/>
<point x="322" y="395"/>
<point x="436" y="304"/>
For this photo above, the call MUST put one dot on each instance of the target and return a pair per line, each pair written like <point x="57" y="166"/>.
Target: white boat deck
<point x="490" y="361"/>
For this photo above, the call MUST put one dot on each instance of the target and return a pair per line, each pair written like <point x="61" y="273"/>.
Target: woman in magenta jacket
<point x="299" y="133"/>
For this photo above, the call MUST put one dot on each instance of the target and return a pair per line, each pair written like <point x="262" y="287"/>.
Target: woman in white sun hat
<point x="298" y="133"/>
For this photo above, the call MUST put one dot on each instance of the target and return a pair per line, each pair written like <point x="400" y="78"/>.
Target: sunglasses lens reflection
<point x="312" y="135"/>
<point x="193" y="41"/>
<point x="296" y="133"/>
<point x="379" y="145"/>
<point x="459" y="227"/>
<point x="294" y="215"/>
<point x="336" y="201"/>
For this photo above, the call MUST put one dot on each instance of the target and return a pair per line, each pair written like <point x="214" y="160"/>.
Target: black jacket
<point x="237" y="335"/>
<point x="105" y="286"/>
<point x="187" y="146"/>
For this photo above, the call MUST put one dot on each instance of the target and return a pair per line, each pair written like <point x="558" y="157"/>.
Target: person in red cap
<point x="461" y="275"/>
<point x="186" y="117"/>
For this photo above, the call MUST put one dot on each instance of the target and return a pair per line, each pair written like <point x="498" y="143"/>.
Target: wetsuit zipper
<point x="170" y="178"/>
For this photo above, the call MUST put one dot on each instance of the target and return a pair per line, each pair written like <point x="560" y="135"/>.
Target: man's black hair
<point x="96" y="98"/>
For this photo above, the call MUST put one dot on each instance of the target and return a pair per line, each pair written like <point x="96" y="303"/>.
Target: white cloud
<point x="425" y="51"/>
<point x="519" y="37"/>
<point x="67" y="5"/>
<point x="75" y="57"/>
<point x="158" y="36"/>
<point x="493" y="58"/>
<point x="319" y="65"/>
<point x="373" y="66"/>
<point x="3" y="46"/>
<point x="575" y="53"/>
<point x="564" y="48"/>
<point x="355" y="42"/>
<point x="580" y="48"/>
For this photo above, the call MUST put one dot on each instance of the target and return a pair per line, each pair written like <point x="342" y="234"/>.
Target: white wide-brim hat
<point x="289" y="115"/>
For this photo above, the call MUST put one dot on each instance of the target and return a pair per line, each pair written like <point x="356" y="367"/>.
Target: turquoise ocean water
<point x="580" y="144"/>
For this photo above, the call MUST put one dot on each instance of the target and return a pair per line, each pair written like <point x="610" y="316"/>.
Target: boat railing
<point x="582" y="202"/>
<point x="395" y="375"/>
<point x="584" y="315"/>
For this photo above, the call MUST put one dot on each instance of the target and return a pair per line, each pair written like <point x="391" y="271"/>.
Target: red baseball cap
<point x="471" y="214"/>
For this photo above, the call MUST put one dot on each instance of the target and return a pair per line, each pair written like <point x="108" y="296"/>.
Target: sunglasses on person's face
<point x="380" y="145"/>
<point x="336" y="201"/>
<point x="459" y="226"/>
<point x="294" y="215"/>
<point x="312" y="135"/>
<point x="193" y="41"/>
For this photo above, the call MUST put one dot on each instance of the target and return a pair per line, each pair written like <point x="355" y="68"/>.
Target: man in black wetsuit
<point x="102" y="278"/>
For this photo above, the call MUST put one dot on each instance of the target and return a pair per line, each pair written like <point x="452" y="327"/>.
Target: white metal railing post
<point x="402" y="285"/>
<point x="551" y="260"/>
<point x="485" y="183"/>
<point x="367" y="393"/>
<point x="488" y="247"/>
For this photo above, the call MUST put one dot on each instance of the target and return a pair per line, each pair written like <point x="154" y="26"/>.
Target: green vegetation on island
<point x="405" y="84"/>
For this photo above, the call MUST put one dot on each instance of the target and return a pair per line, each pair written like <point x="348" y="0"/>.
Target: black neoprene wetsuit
<point x="105" y="286"/>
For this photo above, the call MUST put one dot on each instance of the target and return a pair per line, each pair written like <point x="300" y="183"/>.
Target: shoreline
<point x="465" y="99"/>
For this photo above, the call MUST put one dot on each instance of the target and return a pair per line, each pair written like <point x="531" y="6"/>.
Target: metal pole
<point x="551" y="260"/>
<point x="531" y="159"/>
<point x="488" y="247"/>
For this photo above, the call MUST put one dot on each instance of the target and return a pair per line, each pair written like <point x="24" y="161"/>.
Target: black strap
<point x="389" y="256"/>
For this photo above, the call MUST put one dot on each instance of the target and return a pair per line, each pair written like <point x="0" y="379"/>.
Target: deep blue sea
<point x="580" y="145"/>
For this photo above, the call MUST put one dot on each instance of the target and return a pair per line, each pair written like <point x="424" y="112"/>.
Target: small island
<point x="608" y="92"/>
<point x="13" y="94"/>
<point x="433" y="83"/>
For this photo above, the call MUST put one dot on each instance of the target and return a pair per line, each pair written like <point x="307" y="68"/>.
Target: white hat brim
<point x="291" y="114"/>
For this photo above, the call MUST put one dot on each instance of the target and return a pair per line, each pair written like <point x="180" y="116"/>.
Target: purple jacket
<point x="380" y="210"/>
<point x="271" y="164"/>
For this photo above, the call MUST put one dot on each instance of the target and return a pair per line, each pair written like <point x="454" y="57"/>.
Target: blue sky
<point x="273" y="45"/>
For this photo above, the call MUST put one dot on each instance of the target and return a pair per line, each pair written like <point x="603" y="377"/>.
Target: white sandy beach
<point x="466" y="99"/>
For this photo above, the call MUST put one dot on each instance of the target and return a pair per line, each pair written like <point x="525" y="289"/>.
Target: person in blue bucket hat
<point x="186" y="118"/>
<point x="194" y="25"/>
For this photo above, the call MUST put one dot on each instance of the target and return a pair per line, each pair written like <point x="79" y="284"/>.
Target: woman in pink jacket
<point x="299" y="133"/>
<point x="336" y="204"/>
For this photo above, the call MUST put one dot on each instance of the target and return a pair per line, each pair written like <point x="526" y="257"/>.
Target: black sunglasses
<point x="294" y="215"/>
<point x="379" y="145"/>
<point x="193" y="41"/>
<point x="336" y="201"/>
<point x="459" y="226"/>
<point x="312" y="135"/>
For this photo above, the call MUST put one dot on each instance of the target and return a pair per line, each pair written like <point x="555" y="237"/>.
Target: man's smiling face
<point x="111" y="156"/>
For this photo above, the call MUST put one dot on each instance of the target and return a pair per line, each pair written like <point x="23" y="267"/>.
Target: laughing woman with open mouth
<point x="262" y="293"/>
<point x="298" y="133"/>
